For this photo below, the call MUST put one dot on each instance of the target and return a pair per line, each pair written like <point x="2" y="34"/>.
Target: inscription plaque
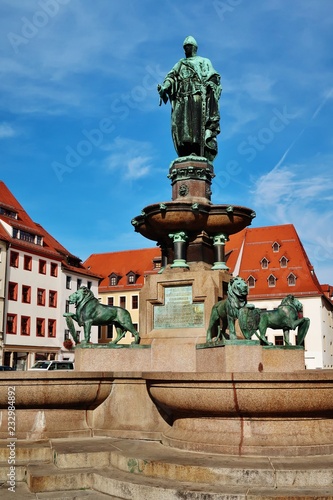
<point x="178" y="310"/>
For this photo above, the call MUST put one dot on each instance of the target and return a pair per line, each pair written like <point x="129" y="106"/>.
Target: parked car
<point x="4" y="368"/>
<point x="52" y="365"/>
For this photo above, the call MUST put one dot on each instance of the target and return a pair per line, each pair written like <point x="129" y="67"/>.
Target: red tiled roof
<point x="4" y="236"/>
<point x="69" y="261"/>
<point x="328" y="291"/>
<point x="251" y="245"/>
<point x="139" y="262"/>
<point x="8" y="200"/>
<point x="51" y="247"/>
<point x="233" y="248"/>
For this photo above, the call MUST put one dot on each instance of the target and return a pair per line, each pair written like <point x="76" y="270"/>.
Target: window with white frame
<point x="251" y="282"/>
<point x="291" y="279"/>
<point x="264" y="263"/>
<point x="68" y="282"/>
<point x="283" y="261"/>
<point x="114" y="279"/>
<point x="271" y="280"/>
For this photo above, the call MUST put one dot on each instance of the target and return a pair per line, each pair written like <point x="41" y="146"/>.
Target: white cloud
<point x="138" y="167"/>
<point x="301" y="194"/>
<point x="131" y="158"/>
<point x="293" y="185"/>
<point x="6" y="130"/>
<point x="48" y="72"/>
<point x="254" y="86"/>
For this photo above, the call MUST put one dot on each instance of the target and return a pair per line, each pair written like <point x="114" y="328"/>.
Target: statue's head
<point x="190" y="46"/>
<point x="189" y="40"/>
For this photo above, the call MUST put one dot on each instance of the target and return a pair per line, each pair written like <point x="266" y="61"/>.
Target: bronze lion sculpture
<point x="227" y="310"/>
<point x="288" y="316"/>
<point x="90" y="312"/>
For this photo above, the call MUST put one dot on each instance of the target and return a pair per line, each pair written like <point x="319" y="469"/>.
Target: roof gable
<point x="123" y="264"/>
<point x="257" y="245"/>
<point x="47" y="245"/>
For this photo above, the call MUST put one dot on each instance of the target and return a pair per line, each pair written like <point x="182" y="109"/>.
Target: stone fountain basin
<point x="161" y="219"/>
<point x="244" y="394"/>
<point x="39" y="390"/>
<point x="264" y="414"/>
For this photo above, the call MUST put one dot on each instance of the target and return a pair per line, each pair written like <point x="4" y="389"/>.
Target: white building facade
<point x="36" y="297"/>
<point x="37" y="276"/>
<point x="318" y="343"/>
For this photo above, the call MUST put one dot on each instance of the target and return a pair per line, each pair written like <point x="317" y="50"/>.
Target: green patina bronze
<point x="288" y="316"/>
<point x="234" y="307"/>
<point x="193" y="87"/>
<point x="249" y="317"/>
<point x="90" y="312"/>
<point x="228" y="309"/>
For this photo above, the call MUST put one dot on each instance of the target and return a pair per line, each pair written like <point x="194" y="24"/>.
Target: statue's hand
<point x="162" y="90"/>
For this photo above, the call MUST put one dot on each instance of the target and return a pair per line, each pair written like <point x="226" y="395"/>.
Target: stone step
<point x="132" y="486"/>
<point x="20" y="471"/>
<point x="288" y="494"/>
<point x="152" y="459"/>
<point x="84" y="453"/>
<point x="48" y="477"/>
<point x="130" y="469"/>
<point x="26" y="451"/>
<point x="22" y="493"/>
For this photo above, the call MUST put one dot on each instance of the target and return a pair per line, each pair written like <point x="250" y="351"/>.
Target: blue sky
<point x="85" y="146"/>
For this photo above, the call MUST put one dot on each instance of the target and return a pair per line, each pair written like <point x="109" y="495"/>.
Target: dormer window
<point x="276" y="246"/>
<point x="251" y="282"/>
<point x="8" y="212"/>
<point x="157" y="263"/>
<point x="114" y="279"/>
<point x="264" y="263"/>
<point x="291" y="279"/>
<point x="271" y="280"/>
<point x="284" y="261"/>
<point x="19" y="234"/>
<point x="25" y="236"/>
<point x="131" y="278"/>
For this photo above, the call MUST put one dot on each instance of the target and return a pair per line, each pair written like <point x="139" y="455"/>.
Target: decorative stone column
<point x="191" y="177"/>
<point x="219" y="241"/>
<point x="164" y="256"/>
<point x="179" y="245"/>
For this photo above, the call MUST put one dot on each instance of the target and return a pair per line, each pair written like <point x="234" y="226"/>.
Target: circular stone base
<point x="257" y="437"/>
<point x="260" y="414"/>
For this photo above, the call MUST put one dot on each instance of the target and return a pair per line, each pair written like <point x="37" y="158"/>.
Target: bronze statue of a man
<point x="193" y="87"/>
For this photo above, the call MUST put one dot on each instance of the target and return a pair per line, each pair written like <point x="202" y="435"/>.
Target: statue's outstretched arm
<point x="167" y="88"/>
<point x="162" y="90"/>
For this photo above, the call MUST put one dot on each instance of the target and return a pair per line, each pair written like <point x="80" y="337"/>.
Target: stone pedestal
<point x="177" y="303"/>
<point x="183" y="356"/>
<point x="246" y="358"/>
<point x="191" y="178"/>
<point x="175" y="309"/>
